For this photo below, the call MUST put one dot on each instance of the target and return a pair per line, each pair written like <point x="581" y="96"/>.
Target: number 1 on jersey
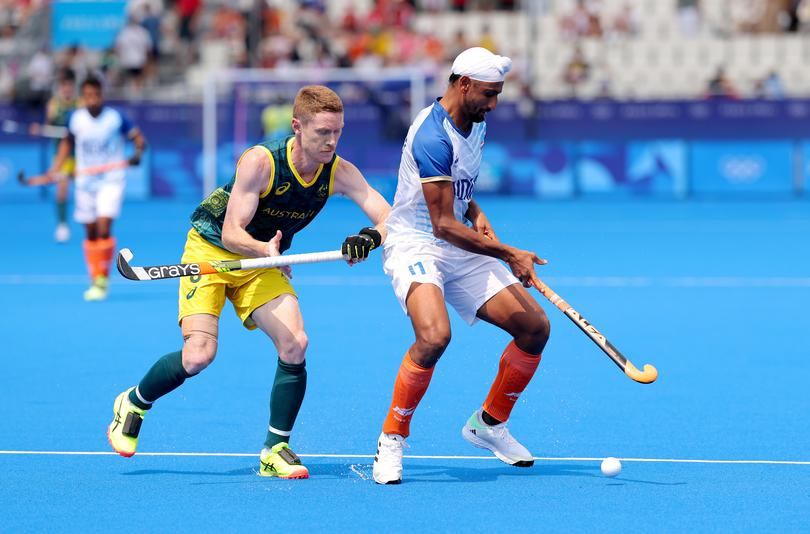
<point x="418" y="265"/>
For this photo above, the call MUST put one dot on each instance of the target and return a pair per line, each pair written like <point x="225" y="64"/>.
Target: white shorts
<point x="98" y="198"/>
<point x="467" y="280"/>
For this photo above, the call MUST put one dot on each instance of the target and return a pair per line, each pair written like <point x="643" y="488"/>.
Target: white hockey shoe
<point x="388" y="460"/>
<point x="497" y="439"/>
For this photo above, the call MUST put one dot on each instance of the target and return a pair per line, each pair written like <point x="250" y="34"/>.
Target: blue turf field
<point x="713" y="294"/>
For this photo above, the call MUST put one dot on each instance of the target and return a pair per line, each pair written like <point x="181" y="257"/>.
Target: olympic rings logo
<point x="742" y="169"/>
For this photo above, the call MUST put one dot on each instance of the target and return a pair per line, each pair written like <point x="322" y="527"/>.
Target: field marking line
<point x="412" y="456"/>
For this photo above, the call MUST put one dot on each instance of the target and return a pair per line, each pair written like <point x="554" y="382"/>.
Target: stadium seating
<point x="656" y="60"/>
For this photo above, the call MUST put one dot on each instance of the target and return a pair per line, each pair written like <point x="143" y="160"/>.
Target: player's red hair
<point x="314" y="99"/>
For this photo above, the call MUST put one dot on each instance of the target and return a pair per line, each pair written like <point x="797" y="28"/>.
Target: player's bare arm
<point x="253" y="179"/>
<point x="439" y="198"/>
<point x="51" y="110"/>
<point x="480" y="222"/>
<point x="349" y="182"/>
<point x="62" y="153"/>
<point x="139" y="141"/>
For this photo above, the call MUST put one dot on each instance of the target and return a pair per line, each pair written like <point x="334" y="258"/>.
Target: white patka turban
<point x="482" y="65"/>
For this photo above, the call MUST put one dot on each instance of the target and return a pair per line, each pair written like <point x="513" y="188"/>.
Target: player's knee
<point x="430" y="346"/>
<point x="535" y="334"/>
<point x="435" y="342"/>
<point x="294" y="348"/>
<point x="198" y="353"/>
<point x="542" y="328"/>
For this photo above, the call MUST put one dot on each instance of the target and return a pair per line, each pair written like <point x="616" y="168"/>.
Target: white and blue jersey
<point x="435" y="150"/>
<point x="99" y="140"/>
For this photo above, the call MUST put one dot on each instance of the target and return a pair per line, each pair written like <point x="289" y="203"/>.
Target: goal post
<point x="219" y="87"/>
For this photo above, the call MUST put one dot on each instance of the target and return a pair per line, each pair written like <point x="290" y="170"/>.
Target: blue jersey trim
<point x="447" y="116"/>
<point x="431" y="147"/>
<point x="126" y="124"/>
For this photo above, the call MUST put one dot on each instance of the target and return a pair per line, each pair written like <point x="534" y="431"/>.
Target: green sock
<point x="165" y="375"/>
<point x="61" y="211"/>
<point x="286" y="398"/>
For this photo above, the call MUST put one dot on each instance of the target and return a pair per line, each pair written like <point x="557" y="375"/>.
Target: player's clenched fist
<point x="357" y="247"/>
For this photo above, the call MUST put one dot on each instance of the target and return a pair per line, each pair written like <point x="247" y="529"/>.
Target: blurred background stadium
<point x="647" y="98"/>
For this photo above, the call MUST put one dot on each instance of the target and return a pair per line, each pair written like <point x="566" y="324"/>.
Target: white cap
<point x="482" y="65"/>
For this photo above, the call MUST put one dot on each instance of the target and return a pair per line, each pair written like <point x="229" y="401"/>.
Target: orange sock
<point x="514" y="373"/>
<point x="91" y="257"/>
<point x="98" y="255"/>
<point x="106" y="248"/>
<point x="409" y="388"/>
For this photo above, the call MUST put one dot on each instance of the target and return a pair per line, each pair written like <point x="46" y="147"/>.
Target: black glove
<point x="357" y="247"/>
<point x="135" y="160"/>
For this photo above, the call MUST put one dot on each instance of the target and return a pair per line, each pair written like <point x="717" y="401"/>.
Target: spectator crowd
<point x="163" y="39"/>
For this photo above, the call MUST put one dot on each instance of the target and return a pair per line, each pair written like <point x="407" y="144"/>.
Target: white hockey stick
<point x="177" y="270"/>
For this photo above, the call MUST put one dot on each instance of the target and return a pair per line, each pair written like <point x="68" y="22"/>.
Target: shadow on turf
<point x="421" y="473"/>
<point x="433" y="473"/>
<point x="232" y="473"/>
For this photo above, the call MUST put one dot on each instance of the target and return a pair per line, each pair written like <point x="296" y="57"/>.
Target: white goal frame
<point x="215" y="79"/>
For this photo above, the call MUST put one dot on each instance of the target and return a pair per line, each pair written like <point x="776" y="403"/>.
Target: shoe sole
<point x="288" y="477"/>
<point x="389" y="483"/>
<point x="481" y="444"/>
<point x="386" y="483"/>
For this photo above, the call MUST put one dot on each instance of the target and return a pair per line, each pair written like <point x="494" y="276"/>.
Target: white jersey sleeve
<point x="435" y="149"/>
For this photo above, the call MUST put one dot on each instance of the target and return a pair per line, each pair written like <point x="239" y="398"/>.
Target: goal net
<point x="244" y="106"/>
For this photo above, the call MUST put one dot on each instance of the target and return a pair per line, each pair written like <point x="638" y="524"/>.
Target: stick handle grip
<point x="553" y="297"/>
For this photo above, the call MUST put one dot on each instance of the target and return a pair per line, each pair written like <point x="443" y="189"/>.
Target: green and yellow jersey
<point x="57" y="113"/>
<point x="59" y="109"/>
<point x="288" y="204"/>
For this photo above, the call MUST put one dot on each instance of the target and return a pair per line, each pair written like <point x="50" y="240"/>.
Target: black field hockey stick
<point x="177" y="270"/>
<point x="646" y="376"/>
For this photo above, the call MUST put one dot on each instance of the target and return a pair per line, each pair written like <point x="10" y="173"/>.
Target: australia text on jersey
<point x="289" y="214"/>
